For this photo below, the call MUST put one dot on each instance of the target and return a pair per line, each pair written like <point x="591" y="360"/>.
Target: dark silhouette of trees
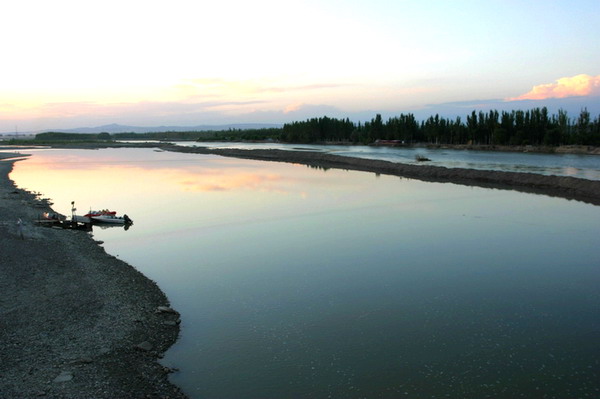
<point x="530" y="127"/>
<point x="318" y="130"/>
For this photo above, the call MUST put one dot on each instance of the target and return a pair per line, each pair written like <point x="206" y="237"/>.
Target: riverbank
<point x="562" y="149"/>
<point x="75" y="321"/>
<point x="558" y="186"/>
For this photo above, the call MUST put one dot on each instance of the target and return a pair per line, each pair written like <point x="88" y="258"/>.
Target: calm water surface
<point x="295" y="282"/>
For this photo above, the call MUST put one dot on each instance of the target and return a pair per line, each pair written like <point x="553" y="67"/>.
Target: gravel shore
<point x="75" y="322"/>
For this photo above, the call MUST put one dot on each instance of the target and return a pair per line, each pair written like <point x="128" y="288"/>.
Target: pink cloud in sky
<point x="579" y="85"/>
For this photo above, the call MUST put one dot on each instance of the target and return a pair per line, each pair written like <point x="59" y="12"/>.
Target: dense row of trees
<point x="59" y="136"/>
<point x="207" y="135"/>
<point x="532" y="127"/>
<point x="319" y="130"/>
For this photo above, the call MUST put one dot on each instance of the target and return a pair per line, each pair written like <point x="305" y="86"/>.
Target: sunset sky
<point x="68" y="63"/>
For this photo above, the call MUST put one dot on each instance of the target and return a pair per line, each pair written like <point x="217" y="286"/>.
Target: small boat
<point x="112" y="219"/>
<point x="103" y="212"/>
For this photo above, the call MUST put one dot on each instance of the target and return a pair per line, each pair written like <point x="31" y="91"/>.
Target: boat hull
<point x="109" y="219"/>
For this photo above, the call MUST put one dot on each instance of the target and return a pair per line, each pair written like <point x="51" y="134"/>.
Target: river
<point x="296" y="282"/>
<point x="583" y="166"/>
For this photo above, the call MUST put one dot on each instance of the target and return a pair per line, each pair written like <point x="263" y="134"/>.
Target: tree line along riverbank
<point x="535" y="127"/>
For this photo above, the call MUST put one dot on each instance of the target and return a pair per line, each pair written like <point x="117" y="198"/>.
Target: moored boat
<point x="111" y="218"/>
<point x="103" y="212"/>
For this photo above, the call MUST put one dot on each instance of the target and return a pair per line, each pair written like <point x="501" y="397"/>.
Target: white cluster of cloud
<point x="579" y="85"/>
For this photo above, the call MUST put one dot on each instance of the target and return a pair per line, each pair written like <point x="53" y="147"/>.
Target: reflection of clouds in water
<point x="73" y="175"/>
<point x="188" y="172"/>
<point x="212" y="180"/>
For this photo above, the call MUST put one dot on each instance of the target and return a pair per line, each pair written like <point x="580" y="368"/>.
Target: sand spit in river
<point x="558" y="186"/>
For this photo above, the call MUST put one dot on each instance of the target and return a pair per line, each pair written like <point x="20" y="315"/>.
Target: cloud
<point x="221" y="87"/>
<point x="295" y="111"/>
<point x="579" y="85"/>
<point x="572" y="105"/>
<point x="292" y="88"/>
<point x="76" y="113"/>
<point x="292" y="108"/>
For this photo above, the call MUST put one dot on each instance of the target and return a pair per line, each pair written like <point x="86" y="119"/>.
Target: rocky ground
<point x="75" y="322"/>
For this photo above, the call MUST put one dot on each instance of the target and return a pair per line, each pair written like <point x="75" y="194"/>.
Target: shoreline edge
<point x="76" y="322"/>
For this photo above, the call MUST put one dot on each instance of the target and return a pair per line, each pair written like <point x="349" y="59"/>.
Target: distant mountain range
<point x="116" y="128"/>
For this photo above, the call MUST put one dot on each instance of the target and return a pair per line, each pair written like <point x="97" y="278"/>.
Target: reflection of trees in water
<point x="319" y="167"/>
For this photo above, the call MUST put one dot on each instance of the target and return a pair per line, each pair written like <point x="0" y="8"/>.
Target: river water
<point x="576" y="165"/>
<point x="295" y="282"/>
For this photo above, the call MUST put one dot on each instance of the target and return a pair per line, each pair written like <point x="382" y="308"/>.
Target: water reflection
<point x="296" y="282"/>
<point x="581" y="166"/>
